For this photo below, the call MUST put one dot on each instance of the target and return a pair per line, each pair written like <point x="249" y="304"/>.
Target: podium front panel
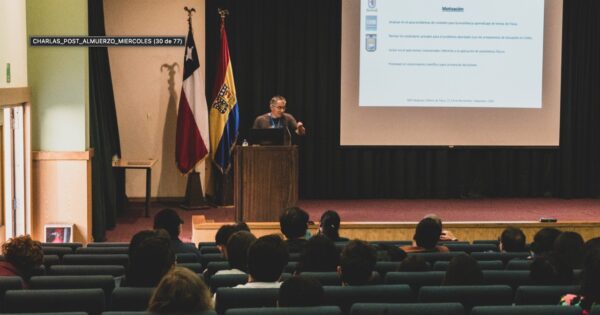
<point x="265" y="181"/>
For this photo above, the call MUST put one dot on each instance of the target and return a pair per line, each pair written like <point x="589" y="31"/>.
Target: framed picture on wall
<point x="58" y="233"/>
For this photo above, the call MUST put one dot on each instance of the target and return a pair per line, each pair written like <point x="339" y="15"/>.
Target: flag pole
<point x="194" y="196"/>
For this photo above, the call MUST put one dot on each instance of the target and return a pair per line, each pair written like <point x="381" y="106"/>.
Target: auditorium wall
<point x="147" y="84"/>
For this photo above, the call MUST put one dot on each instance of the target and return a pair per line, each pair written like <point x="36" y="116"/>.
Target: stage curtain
<point x="107" y="185"/>
<point x="292" y="48"/>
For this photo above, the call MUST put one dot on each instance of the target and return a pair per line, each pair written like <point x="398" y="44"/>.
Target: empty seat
<point x="73" y="246"/>
<point x="215" y="266"/>
<point x="102" y="250"/>
<point x="83" y="270"/>
<point x="495" y="242"/>
<point x="208" y="244"/>
<point x="505" y="257"/>
<point x="345" y="296"/>
<point x="471" y="248"/>
<point x="315" y="310"/>
<point x="518" y="264"/>
<point x="226" y="281"/>
<point x="437" y="256"/>
<point x="290" y="267"/>
<point x="9" y="283"/>
<point x="130" y="299"/>
<point x="104" y="282"/>
<point x="526" y="310"/>
<point x="51" y="260"/>
<point x="60" y="251"/>
<point x="195" y="267"/>
<point x="407" y="309"/>
<point x="513" y="278"/>
<point x="543" y="294"/>
<point x="209" y="250"/>
<point x="108" y="244"/>
<point x="468" y="296"/>
<point x="93" y="259"/>
<point x="383" y="267"/>
<point x="415" y="279"/>
<point x="325" y="278"/>
<point x="483" y="264"/>
<point x="205" y="259"/>
<point x="393" y="243"/>
<point x="227" y="298"/>
<point x="90" y="301"/>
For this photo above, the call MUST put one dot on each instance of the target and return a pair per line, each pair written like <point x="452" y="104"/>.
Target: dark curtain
<point x="292" y="48"/>
<point x="107" y="185"/>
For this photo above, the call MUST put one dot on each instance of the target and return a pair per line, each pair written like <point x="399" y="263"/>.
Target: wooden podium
<point x="265" y="182"/>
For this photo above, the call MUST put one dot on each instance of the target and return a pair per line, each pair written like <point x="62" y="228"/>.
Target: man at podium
<point x="278" y="118"/>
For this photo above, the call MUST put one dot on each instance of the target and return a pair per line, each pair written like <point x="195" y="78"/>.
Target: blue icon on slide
<point x="371" y="23"/>
<point x="371" y="42"/>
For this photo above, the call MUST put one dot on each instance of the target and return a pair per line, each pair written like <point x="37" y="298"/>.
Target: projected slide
<point x="467" y="53"/>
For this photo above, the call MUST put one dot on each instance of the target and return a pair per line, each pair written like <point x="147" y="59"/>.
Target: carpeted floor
<point x="387" y="210"/>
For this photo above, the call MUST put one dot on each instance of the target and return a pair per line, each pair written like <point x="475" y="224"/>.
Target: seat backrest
<point x="471" y="248"/>
<point x="495" y="242"/>
<point x="543" y="294"/>
<point x="130" y="299"/>
<point x="104" y="282"/>
<point x="108" y="244"/>
<point x="73" y="246"/>
<point x="91" y="301"/>
<point x="227" y="298"/>
<point x="226" y="281"/>
<point x="315" y="310"/>
<point x="505" y="257"/>
<point x="383" y="267"/>
<point x="209" y="250"/>
<point x="102" y="250"/>
<point x="468" y="296"/>
<point x="290" y="267"/>
<point x="86" y="270"/>
<point x="513" y="278"/>
<point x="59" y="250"/>
<point x="346" y="296"/>
<point x="95" y="259"/>
<point x="518" y="264"/>
<point x="9" y="283"/>
<point x="205" y="259"/>
<point x="51" y="260"/>
<point x="325" y="278"/>
<point x="526" y="310"/>
<point x="415" y="279"/>
<point x="187" y="258"/>
<point x="215" y="266"/>
<point x="483" y="264"/>
<point x="407" y="309"/>
<point x="195" y="267"/>
<point x="432" y="257"/>
<point x="210" y="312"/>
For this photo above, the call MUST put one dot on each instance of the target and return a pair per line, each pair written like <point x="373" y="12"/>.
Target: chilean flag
<point x="192" y="117"/>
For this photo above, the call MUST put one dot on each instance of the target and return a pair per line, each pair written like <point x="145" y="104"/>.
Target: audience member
<point x="446" y="236"/>
<point x="548" y="269"/>
<point x="22" y="255"/>
<point x="236" y="252"/>
<point x="357" y="263"/>
<point x="414" y="263"/>
<point x="463" y="270"/>
<point x="589" y="294"/>
<point x="294" y="225"/>
<point x="568" y="246"/>
<point x="543" y="241"/>
<point x="299" y="291"/>
<point x="427" y="235"/>
<point x="330" y="226"/>
<point x="267" y="257"/>
<point x="180" y="291"/>
<point x="512" y="239"/>
<point x="170" y="221"/>
<point x="149" y="260"/>
<point x="319" y="255"/>
<point x="387" y="252"/>
<point x="241" y="226"/>
<point x="222" y="236"/>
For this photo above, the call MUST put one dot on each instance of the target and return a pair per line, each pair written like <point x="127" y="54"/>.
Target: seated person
<point x="150" y="258"/>
<point x="589" y="293"/>
<point x="427" y="235"/>
<point x="543" y="241"/>
<point x="319" y="255"/>
<point x="169" y="220"/>
<point x="512" y="239"/>
<point x="267" y="257"/>
<point x="22" y="255"/>
<point x="357" y="263"/>
<point x="236" y="252"/>
<point x="222" y="236"/>
<point x="569" y="247"/>
<point x="299" y="291"/>
<point x="180" y="291"/>
<point x="294" y="225"/>
<point x="414" y="263"/>
<point x="446" y="236"/>
<point x="330" y="226"/>
<point x="463" y="270"/>
<point x="548" y="269"/>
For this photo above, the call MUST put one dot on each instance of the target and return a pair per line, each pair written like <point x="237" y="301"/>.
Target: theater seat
<point x="513" y="278"/>
<point x="91" y="301"/>
<point x="104" y="282"/>
<point x="433" y="257"/>
<point x="227" y="298"/>
<point x="102" y="250"/>
<point x="108" y="244"/>
<point x="518" y="264"/>
<point x="215" y="266"/>
<point x="415" y="279"/>
<point x="51" y="260"/>
<point x="471" y="248"/>
<point x="95" y="259"/>
<point x="543" y="294"/>
<point x="130" y="299"/>
<point x="195" y="267"/>
<point x="526" y="310"/>
<point x="346" y="296"/>
<point x="60" y="251"/>
<point x="468" y="296"/>
<point x="9" y="283"/>
<point x="316" y="310"/>
<point x="483" y="264"/>
<point x="325" y="278"/>
<point x="226" y="281"/>
<point x="505" y="257"/>
<point x="407" y="309"/>
<point x="149" y="313"/>
<point x="205" y="259"/>
<point x="86" y="270"/>
<point x="187" y="258"/>
<point x="383" y="267"/>
<point x="73" y="246"/>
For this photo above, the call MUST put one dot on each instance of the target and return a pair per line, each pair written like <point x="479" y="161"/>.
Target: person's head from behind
<point x="319" y="255"/>
<point x="299" y="291"/>
<point x="141" y="236"/>
<point x="357" y="263"/>
<point x="293" y="223"/>
<point x="168" y="220"/>
<point x="150" y="261"/>
<point x="241" y="226"/>
<point x="414" y="263"/>
<point x="267" y="257"/>
<point x="436" y="218"/>
<point x="330" y="224"/>
<point x="427" y="233"/>
<point x="568" y="246"/>
<point x="24" y="254"/>
<point x="548" y="269"/>
<point x="590" y="285"/>
<point x="543" y="241"/>
<point x="277" y="104"/>
<point x="180" y="291"/>
<point x="463" y="270"/>
<point x="222" y="236"/>
<point x="237" y="249"/>
<point x="512" y="239"/>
